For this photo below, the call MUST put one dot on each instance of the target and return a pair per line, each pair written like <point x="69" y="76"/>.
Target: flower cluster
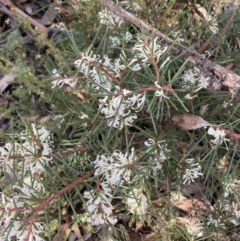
<point x="26" y="158"/>
<point x="137" y="202"/>
<point x="115" y="168"/>
<point x="30" y="188"/>
<point x="109" y="18"/>
<point x="212" y="24"/>
<point x="60" y="81"/>
<point x="34" y="151"/>
<point x="216" y="222"/>
<point x="195" y="228"/>
<point x="116" y="41"/>
<point x="227" y="206"/>
<point x="133" y="6"/>
<point x="100" y="71"/>
<point x="158" y="150"/>
<point x="104" y="73"/>
<point x="232" y="211"/>
<point x="230" y="186"/>
<point x="160" y="93"/>
<point x="193" y="172"/>
<point x="19" y="229"/>
<point x="119" y="110"/>
<point x="99" y="206"/>
<point x="194" y="80"/>
<point x="219" y="136"/>
<point x="146" y="53"/>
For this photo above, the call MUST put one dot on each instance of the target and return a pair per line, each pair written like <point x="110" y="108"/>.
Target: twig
<point x="24" y="15"/>
<point x="219" y="76"/>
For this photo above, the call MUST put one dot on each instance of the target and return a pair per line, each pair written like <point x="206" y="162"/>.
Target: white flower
<point x="137" y="202"/>
<point x="128" y="36"/>
<point x="39" y="132"/>
<point x="189" y="160"/>
<point x="189" y="78"/>
<point x="159" y="92"/>
<point x="27" y="191"/>
<point x="127" y="121"/>
<point x="194" y="228"/>
<point x="114" y="107"/>
<point x="136" y="99"/>
<point x="36" y="165"/>
<point x="132" y="63"/>
<point x="115" y="41"/>
<point x="219" y="136"/>
<point x="158" y="155"/>
<point x="177" y="196"/>
<point x="214" y="222"/>
<point x="118" y="109"/>
<point x="60" y="82"/>
<point x="189" y="97"/>
<point x="213" y="25"/>
<point x="9" y="226"/>
<point x="87" y="58"/>
<point x="42" y="133"/>
<point x="203" y="82"/>
<point x="133" y="6"/>
<point x="136" y="67"/>
<point x="110" y="19"/>
<point x="99" y="206"/>
<point x="115" y="67"/>
<point x="193" y="172"/>
<point x="100" y="80"/>
<point x="229" y="186"/>
<point x="6" y="221"/>
<point x="152" y="144"/>
<point x="145" y="52"/>
<point x="89" y="65"/>
<point x="30" y="188"/>
<point x="225" y="104"/>
<point x="55" y="73"/>
<point x="36" y="229"/>
<point x="116" y="168"/>
<point x="177" y="35"/>
<point x="194" y="78"/>
<point x="83" y="116"/>
<point x="234" y="209"/>
<point x="35" y="149"/>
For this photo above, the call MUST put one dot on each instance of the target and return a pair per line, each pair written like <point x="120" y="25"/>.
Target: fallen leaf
<point x="193" y="206"/>
<point x="203" y="108"/>
<point x="5" y="81"/>
<point x="190" y="122"/>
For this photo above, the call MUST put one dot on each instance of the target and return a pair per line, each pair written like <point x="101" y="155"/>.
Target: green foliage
<point x="150" y="149"/>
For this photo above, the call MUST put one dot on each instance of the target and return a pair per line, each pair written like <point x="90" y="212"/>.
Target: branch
<point x="21" y="13"/>
<point x="219" y="76"/>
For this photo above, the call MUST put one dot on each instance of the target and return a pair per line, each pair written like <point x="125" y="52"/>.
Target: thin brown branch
<point x="22" y="14"/>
